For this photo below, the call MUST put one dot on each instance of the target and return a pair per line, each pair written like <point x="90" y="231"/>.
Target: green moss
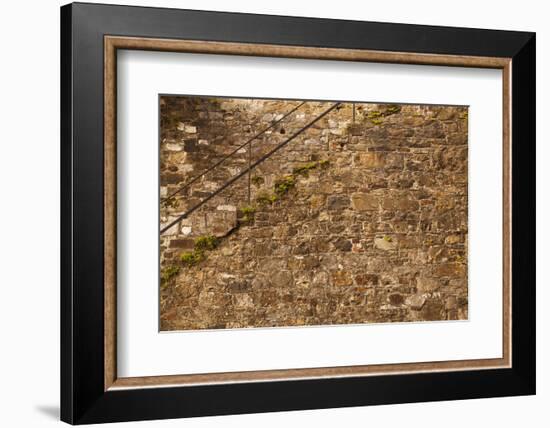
<point x="304" y="169"/>
<point x="247" y="213"/>
<point x="246" y="210"/>
<point x="374" y="114"/>
<point x="392" y="109"/>
<point x="376" y="117"/>
<point x="283" y="185"/>
<point x="387" y="238"/>
<point x="168" y="273"/>
<point x="324" y="163"/>
<point x="202" y="244"/>
<point x="191" y="258"/>
<point x="257" y="180"/>
<point x="263" y="198"/>
<point x="376" y="121"/>
<point x="207" y="242"/>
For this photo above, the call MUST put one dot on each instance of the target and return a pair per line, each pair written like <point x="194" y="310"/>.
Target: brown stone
<point x="453" y="239"/>
<point x="370" y="160"/>
<point x="171" y="178"/>
<point x="190" y="145"/>
<point x="447" y="113"/>
<point x="385" y="243"/>
<point x="400" y="203"/>
<point x="427" y="285"/>
<point x="185" y="243"/>
<point x="338" y="202"/>
<point x="451" y="303"/>
<point x="281" y="279"/>
<point x="396" y="299"/>
<point x="364" y="202"/>
<point x="366" y="279"/>
<point x="449" y="269"/>
<point x="416" y="302"/>
<point x="342" y="244"/>
<point x="341" y="278"/>
<point x="432" y="311"/>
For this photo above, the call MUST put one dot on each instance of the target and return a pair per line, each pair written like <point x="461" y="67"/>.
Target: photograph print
<point x="285" y="213"/>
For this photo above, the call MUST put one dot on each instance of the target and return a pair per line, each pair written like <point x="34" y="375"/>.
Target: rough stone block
<point x="338" y="202"/>
<point x="416" y="301"/>
<point x="364" y="201"/>
<point x="341" y="278"/>
<point x="427" y="285"/>
<point x="370" y="159"/>
<point x="183" y="243"/>
<point x="385" y="243"/>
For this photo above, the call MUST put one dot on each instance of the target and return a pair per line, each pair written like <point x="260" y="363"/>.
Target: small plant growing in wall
<point x="202" y="245"/>
<point x="207" y="242"/>
<point x="392" y="109"/>
<point x="304" y="169"/>
<point x="191" y="258"/>
<point x="257" y="180"/>
<point x="168" y="273"/>
<point x="247" y="213"/>
<point x="265" y="198"/>
<point x="376" y="117"/>
<point x="283" y="185"/>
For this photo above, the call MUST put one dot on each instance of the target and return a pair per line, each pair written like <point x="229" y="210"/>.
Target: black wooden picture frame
<point x="84" y="398"/>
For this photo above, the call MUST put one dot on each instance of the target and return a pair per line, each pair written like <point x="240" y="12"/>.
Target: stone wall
<point x="353" y="221"/>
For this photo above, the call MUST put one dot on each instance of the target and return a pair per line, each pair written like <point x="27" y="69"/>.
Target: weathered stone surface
<point x="370" y="159"/>
<point x="433" y="311"/>
<point x="341" y="278"/>
<point x="338" y="202"/>
<point x="226" y="208"/>
<point x="396" y="299"/>
<point x="400" y="203"/>
<point x="366" y="279"/>
<point x="186" y="244"/>
<point x="427" y="285"/>
<point x="416" y="301"/>
<point x="364" y="202"/>
<point x="385" y="243"/>
<point x="449" y="269"/>
<point x="174" y="147"/>
<point x="343" y="244"/>
<point x="171" y="178"/>
<point x="453" y="239"/>
<point x="378" y="233"/>
<point x="281" y="279"/>
<point x="451" y="303"/>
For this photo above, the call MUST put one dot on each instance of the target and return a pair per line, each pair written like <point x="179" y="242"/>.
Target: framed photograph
<point x="265" y="213"/>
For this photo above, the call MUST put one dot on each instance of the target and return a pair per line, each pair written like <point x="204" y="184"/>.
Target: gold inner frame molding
<point x="113" y="43"/>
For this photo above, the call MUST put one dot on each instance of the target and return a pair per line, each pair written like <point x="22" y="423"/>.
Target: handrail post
<point x="249" y="167"/>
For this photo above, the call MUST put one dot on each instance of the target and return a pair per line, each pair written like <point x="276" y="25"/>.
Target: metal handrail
<point x="252" y="166"/>
<point x="259" y="134"/>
